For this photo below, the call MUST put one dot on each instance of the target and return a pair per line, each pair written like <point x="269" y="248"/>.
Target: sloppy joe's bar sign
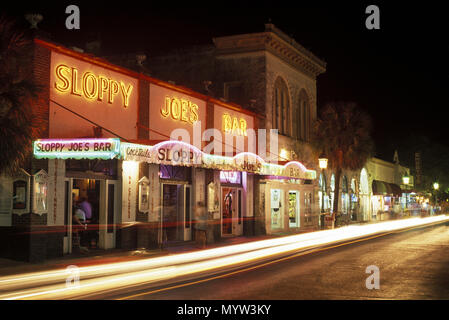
<point x="168" y="152"/>
<point x="180" y="153"/>
<point x="77" y="148"/>
<point x="93" y="91"/>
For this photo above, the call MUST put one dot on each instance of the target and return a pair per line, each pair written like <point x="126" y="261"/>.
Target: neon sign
<point x="175" y="152"/>
<point x="233" y="177"/>
<point x="91" y="86"/>
<point x="180" y="110"/>
<point x="232" y="125"/>
<point x="107" y="148"/>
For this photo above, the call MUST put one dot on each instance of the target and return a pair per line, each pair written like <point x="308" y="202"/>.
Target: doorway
<point x="231" y="211"/>
<point x="176" y="212"/>
<point x="101" y="214"/>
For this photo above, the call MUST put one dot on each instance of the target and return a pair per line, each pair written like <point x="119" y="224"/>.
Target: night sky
<point x="398" y="74"/>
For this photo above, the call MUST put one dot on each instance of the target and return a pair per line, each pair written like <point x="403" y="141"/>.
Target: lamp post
<point x="322" y="163"/>
<point x="436" y="186"/>
<point x="406" y="180"/>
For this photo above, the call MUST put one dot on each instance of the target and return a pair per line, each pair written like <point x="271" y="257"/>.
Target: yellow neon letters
<point x="232" y="125"/>
<point x="91" y="86"/>
<point x="180" y="110"/>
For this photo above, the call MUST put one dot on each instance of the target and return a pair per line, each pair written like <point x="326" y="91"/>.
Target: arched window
<point x="323" y="198"/>
<point x="332" y="193"/>
<point x="281" y="107"/>
<point x="344" y="195"/>
<point x="303" y="117"/>
<point x="364" y="194"/>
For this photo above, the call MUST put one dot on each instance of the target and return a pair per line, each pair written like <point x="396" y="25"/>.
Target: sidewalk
<point x="98" y="257"/>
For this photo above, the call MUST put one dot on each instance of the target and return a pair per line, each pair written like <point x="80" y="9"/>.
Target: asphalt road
<point x="413" y="264"/>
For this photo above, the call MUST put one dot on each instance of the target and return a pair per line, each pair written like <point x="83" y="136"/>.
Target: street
<point x="413" y="265"/>
<point x="410" y="255"/>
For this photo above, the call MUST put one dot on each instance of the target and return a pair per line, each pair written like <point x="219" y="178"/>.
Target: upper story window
<point x="281" y="107"/>
<point x="234" y="92"/>
<point x="303" y="117"/>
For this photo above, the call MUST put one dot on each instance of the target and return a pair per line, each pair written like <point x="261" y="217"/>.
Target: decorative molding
<point x="272" y="41"/>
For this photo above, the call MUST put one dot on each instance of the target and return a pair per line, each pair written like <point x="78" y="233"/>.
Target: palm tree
<point x="17" y="91"/>
<point x="342" y="133"/>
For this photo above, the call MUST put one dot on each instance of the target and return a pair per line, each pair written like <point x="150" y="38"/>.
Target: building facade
<point x="144" y="152"/>
<point x="272" y="75"/>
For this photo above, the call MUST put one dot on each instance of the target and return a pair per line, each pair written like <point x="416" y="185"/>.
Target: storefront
<point x="288" y="199"/>
<point x="385" y="200"/>
<point x="80" y="170"/>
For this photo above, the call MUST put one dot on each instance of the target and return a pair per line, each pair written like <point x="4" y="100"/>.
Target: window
<point x="344" y="195"/>
<point x="323" y="197"/>
<point x="293" y="209"/>
<point x="276" y="209"/>
<point x="234" y="92"/>
<point x="303" y="117"/>
<point x="331" y="200"/>
<point x="281" y="107"/>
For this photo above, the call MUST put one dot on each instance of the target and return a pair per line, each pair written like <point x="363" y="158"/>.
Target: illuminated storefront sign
<point x="180" y="110"/>
<point x="233" y="177"/>
<point x="233" y="125"/>
<point x="107" y="148"/>
<point x="167" y="152"/>
<point x="91" y="86"/>
<point x="181" y="153"/>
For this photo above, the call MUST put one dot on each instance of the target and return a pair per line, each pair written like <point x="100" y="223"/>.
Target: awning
<point x="386" y="189"/>
<point x="380" y="187"/>
<point x="395" y="190"/>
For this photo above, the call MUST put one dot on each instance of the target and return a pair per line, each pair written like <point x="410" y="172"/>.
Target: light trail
<point x="123" y="274"/>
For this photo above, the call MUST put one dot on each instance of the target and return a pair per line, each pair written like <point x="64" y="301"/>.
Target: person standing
<point x="86" y="207"/>
<point x="200" y="225"/>
<point x="79" y="226"/>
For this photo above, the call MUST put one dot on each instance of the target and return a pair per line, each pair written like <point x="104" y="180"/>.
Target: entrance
<point x="231" y="211"/>
<point x="176" y="212"/>
<point x="101" y="214"/>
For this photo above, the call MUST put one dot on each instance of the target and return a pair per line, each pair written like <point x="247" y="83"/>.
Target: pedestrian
<point x="200" y="225"/>
<point x="87" y="208"/>
<point x="79" y="226"/>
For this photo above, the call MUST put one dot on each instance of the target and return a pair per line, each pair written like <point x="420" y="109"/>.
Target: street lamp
<point x="405" y="179"/>
<point x="322" y="161"/>
<point x="436" y="186"/>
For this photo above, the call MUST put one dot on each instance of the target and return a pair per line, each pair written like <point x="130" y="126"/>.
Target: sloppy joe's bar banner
<point x="77" y="148"/>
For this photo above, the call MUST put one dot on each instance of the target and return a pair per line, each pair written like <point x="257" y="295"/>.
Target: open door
<point x="109" y="205"/>
<point x="231" y="208"/>
<point x="176" y="211"/>
<point x="187" y="212"/>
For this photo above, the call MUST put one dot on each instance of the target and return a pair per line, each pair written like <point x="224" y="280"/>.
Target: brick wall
<point x="41" y="71"/>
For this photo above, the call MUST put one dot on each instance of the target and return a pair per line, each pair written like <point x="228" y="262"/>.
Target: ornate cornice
<point x="275" y="42"/>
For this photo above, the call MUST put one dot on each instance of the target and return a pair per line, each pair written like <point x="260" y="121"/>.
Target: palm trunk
<point x="336" y="194"/>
